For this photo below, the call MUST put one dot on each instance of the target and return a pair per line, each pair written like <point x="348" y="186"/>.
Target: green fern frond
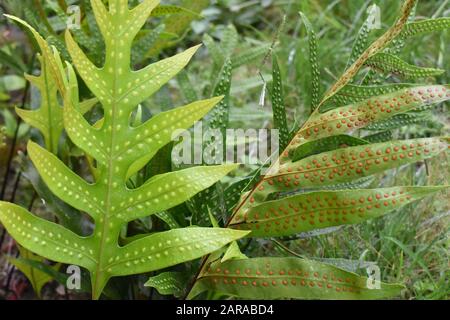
<point x="320" y="180"/>
<point x="119" y="150"/>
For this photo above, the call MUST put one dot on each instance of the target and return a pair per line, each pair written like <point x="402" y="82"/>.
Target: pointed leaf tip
<point x="231" y="166"/>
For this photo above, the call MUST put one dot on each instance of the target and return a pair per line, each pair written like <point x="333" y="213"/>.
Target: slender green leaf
<point x="313" y="53"/>
<point x="145" y="43"/>
<point x="220" y="114"/>
<point x="214" y="50"/>
<point x="45" y="238"/>
<point x="399" y="121"/>
<point x="318" y="210"/>
<point x="170" y="10"/>
<point x="361" y="114"/>
<point x="168" y="190"/>
<point x="360" y="43"/>
<point x="168" y="283"/>
<point x="168" y="219"/>
<point x="347" y="164"/>
<point x="179" y="24"/>
<point x="233" y="253"/>
<point x="389" y="63"/>
<point x="186" y="86"/>
<point x="352" y="93"/>
<point x="425" y="26"/>
<point x="249" y="55"/>
<point x="168" y="248"/>
<point x="326" y="144"/>
<point x="278" y="106"/>
<point x="48" y="118"/>
<point x="275" y="278"/>
<point x="229" y="41"/>
<point x="379" y="137"/>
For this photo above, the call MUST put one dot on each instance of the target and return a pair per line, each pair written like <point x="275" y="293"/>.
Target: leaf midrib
<point x="269" y="277"/>
<point x="345" y="164"/>
<point x="106" y="215"/>
<point x="316" y="210"/>
<point x="166" y="248"/>
<point x="49" y="107"/>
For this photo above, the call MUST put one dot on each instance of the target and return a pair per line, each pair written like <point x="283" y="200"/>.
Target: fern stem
<point x="43" y="16"/>
<point x="16" y="186"/>
<point x="9" y="277"/>
<point x="10" y="158"/>
<point x="16" y="134"/>
<point x="13" y="147"/>
<point x="62" y="4"/>
<point x="283" y="247"/>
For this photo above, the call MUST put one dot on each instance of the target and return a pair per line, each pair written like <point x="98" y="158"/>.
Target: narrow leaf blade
<point x="276" y="278"/>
